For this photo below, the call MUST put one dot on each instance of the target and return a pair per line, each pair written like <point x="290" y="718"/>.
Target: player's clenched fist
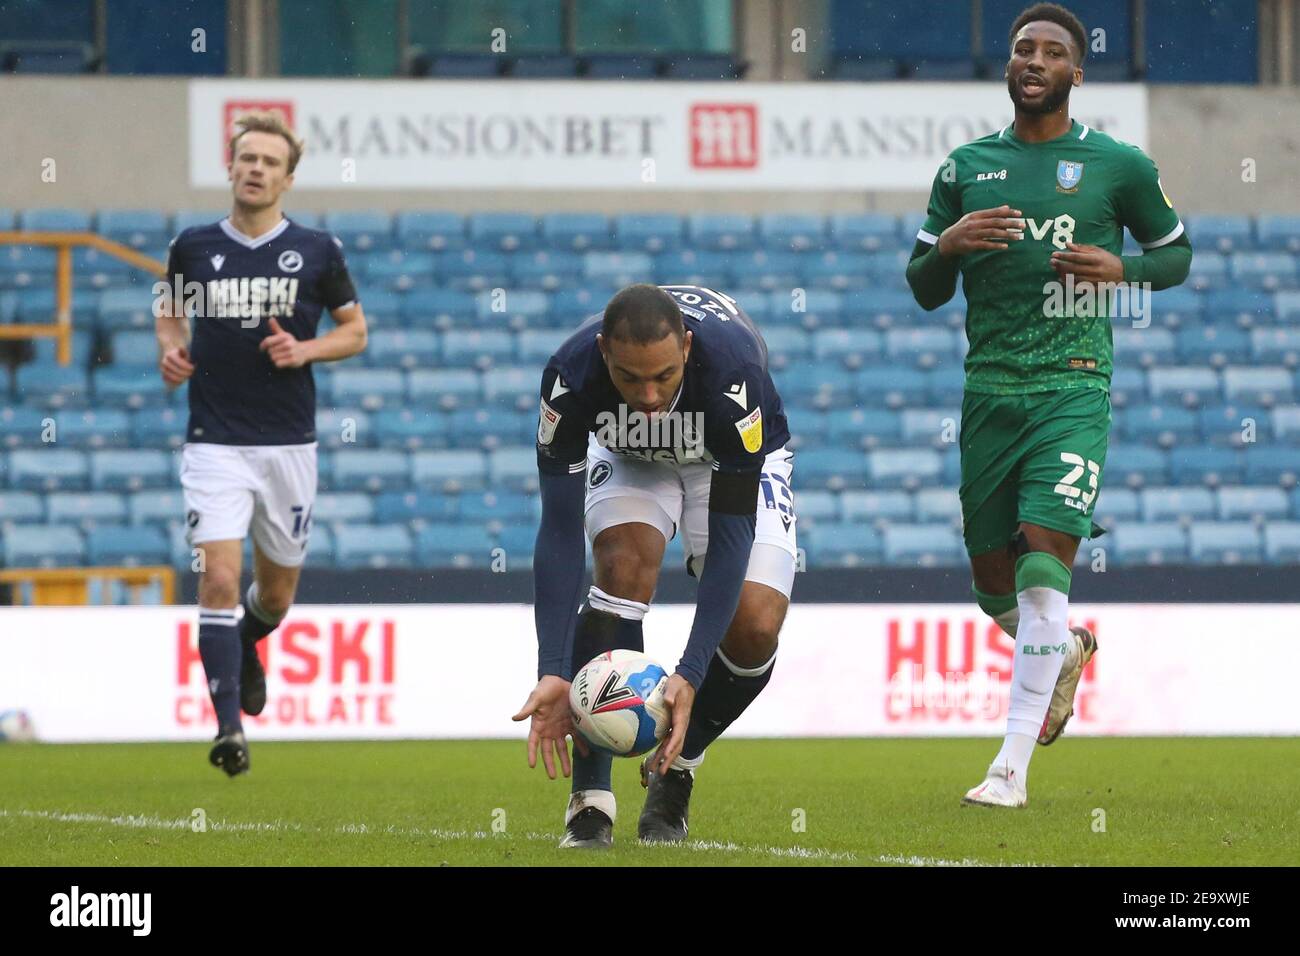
<point x="283" y="349"/>
<point x="982" y="230"/>
<point x="176" y="366"/>
<point x="548" y="706"/>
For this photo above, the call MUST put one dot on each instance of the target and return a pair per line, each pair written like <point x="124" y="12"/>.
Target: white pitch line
<point x="934" y="861"/>
<point x="147" y="822"/>
<point x="150" y="822"/>
<point x="793" y="852"/>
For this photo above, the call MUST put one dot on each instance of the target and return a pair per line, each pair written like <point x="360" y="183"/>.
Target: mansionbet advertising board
<point x="397" y="134"/>
<point x="337" y="672"/>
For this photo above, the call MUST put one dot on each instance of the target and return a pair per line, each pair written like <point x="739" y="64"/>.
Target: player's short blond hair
<point x="268" y="123"/>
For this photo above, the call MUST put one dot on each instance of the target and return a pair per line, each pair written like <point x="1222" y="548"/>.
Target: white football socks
<point x="602" y="800"/>
<point x="627" y="609"/>
<point x="1042" y="642"/>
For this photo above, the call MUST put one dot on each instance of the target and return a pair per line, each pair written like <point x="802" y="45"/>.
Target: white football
<point x="16" y="727"/>
<point x="618" y="703"/>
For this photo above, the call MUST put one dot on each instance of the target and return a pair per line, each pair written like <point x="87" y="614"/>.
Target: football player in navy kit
<point x="255" y="284"/>
<point x="658" y="416"/>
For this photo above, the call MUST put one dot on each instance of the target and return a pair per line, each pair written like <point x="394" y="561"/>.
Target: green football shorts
<point x="1036" y="458"/>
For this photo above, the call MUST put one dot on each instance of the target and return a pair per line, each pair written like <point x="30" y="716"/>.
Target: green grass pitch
<point x="757" y="802"/>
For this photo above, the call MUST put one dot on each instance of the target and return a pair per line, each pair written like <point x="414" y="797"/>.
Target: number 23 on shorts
<point x="1075" y="496"/>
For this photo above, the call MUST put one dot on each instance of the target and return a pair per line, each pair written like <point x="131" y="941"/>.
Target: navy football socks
<point x="256" y="623"/>
<point x="220" y="650"/>
<point x="604" y="624"/>
<point x="726" y="692"/>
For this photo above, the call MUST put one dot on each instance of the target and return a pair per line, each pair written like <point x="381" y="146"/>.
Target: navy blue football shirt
<point x="726" y="387"/>
<point x="736" y="419"/>
<point x="237" y="396"/>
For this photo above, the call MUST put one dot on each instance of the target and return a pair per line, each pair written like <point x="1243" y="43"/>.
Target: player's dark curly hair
<point x="1054" y="13"/>
<point x="642" y="314"/>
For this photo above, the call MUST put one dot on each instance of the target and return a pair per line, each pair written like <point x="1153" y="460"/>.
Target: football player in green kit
<point x="1030" y="216"/>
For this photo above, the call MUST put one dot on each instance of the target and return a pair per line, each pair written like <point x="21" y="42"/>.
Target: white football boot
<point x="999" y="789"/>
<point x="1082" y="646"/>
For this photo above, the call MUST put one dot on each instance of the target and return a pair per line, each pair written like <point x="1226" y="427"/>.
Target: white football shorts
<point x="666" y="495"/>
<point x="268" y="488"/>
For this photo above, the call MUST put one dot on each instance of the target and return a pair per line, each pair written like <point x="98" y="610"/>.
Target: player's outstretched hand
<point x="982" y="230"/>
<point x="284" y="350"/>
<point x="1088" y="264"/>
<point x="679" y="695"/>
<point x="176" y="366"/>
<point x="548" y="706"/>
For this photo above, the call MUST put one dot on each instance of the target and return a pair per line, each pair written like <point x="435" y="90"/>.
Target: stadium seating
<point x="139" y="228"/>
<point x="42" y="546"/>
<point x="426" y="440"/>
<point x="1149" y="542"/>
<point x="1282" y="542"/>
<point x="846" y="545"/>
<point x="540" y="66"/>
<point x="454" y="545"/>
<point x="126" y="545"/>
<point x="373" y="546"/>
<point x="156" y="507"/>
<point x="618" y="66"/>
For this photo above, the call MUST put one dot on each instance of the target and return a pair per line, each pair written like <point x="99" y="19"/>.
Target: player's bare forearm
<point x="346" y="339"/>
<point x="172" y="332"/>
<point x="173" y="347"/>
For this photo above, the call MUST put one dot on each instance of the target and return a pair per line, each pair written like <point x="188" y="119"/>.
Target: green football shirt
<point x="1029" y="331"/>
